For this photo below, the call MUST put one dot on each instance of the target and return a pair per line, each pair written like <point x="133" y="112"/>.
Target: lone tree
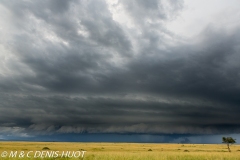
<point x="228" y="141"/>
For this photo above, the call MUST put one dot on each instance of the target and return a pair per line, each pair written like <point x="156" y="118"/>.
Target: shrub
<point x="45" y="148"/>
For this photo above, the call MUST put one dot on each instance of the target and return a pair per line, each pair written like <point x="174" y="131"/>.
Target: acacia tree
<point x="228" y="141"/>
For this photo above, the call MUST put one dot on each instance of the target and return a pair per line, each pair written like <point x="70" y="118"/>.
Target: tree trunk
<point x="228" y="147"/>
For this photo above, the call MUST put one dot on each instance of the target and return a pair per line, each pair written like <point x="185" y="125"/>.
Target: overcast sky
<point x="119" y="66"/>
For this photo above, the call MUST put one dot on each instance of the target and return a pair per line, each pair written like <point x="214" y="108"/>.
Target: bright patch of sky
<point x="197" y="15"/>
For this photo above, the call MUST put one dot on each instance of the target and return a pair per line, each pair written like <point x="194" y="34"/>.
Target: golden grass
<point x="130" y="151"/>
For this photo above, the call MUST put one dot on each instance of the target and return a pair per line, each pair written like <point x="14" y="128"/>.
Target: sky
<point x="120" y="70"/>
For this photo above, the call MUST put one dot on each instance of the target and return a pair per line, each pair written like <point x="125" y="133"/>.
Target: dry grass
<point x="130" y="151"/>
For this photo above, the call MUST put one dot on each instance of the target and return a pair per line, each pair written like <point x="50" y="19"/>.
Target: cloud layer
<point x="114" y="67"/>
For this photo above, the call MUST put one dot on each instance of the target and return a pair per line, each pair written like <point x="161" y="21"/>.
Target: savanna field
<point x="126" y="151"/>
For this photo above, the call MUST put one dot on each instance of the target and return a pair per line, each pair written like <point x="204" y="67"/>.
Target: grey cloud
<point x="75" y="70"/>
<point x="154" y="10"/>
<point x="62" y="114"/>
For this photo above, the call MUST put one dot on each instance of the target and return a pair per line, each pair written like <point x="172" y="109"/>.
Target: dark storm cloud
<point x="72" y="68"/>
<point x="205" y="70"/>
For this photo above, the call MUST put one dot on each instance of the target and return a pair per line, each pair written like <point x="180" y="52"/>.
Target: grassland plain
<point x="127" y="151"/>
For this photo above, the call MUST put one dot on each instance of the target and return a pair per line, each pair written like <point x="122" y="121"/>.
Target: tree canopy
<point x="228" y="140"/>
